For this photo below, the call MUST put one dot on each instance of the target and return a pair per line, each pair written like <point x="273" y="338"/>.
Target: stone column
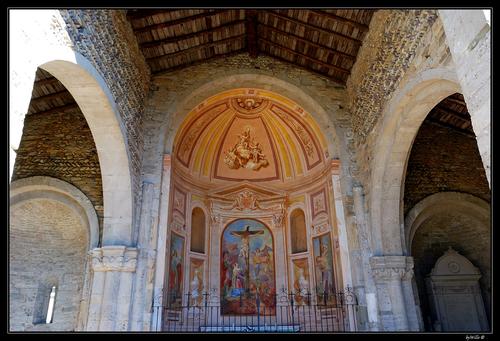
<point x="365" y="253"/>
<point x="468" y="34"/>
<point x="146" y="244"/>
<point x="161" y="246"/>
<point x="113" y="268"/>
<point x="342" y="232"/>
<point x="389" y="273"/>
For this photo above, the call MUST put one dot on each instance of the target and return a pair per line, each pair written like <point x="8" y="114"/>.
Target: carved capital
<point x="335" y="167"/>
<point x="278" y="220"/>
<point x="114" y="258"/>
<point x="391" y="268"/>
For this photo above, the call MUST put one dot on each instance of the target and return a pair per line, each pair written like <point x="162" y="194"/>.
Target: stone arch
<point x="443" y="220"/>
<point x="96" y="102"/>
<point x="194" y="95"/>
<point x="69" y="231"/>
<point x="401" y="120"/>
<point x="436" y="203"/>
<point x="44" y="187"/>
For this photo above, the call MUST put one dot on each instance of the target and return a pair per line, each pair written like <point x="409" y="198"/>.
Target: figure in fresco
<point x="246" y="154"/>
<point x="196" y="286"/>
<point x="247" y="268"/>
<point x="324" y="267"/>
<point x="244" y="255"/>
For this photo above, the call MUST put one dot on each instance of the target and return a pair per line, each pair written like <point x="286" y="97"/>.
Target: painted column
<point x="280" y="252"/>
<point x="389" y="273"/>
<point x="113" y="268"/>
<point x="468" y="34"/>
<point x="342" y="232"/>
<point x="364" y="243"/>
<point x="161" y="246"/>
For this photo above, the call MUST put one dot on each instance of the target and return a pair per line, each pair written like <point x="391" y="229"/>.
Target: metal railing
<point x="292" y="312"/>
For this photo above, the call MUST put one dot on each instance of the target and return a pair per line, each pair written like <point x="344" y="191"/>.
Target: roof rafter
<point x="178" y="21"/>
<point x="355" y="41"/>
<point x="272" y="28"/>
<point x="352" y="23"/>
<point x="197" y="47"/>
<point x="327" y="65"/>
<point x="177" y="39"/>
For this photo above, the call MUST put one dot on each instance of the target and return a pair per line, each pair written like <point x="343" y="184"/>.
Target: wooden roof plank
<point x="190" y="35"/>
<point x="307" y="41"/>
<point x="197" y="47"/>
<point x="314" y="60"/>
<point x="178" y="21"/>
<point x="360" y="26"/>
<point x="355" y="41"/>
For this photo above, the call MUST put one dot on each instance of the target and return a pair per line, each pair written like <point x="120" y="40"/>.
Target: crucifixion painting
<point x="247" y="268"/>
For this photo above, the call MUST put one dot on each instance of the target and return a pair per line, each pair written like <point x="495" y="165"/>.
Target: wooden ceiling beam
<point x="178" y="21"/>
<point x="450" y="111"/>
<point x="329" y="48"/>
<point x="46" y="81"/>
<point x="450" y="126"/>
<point x="251" y="30"/>
<point x="355" y="41"/>
<point x="190" y="35"/>
<point x="352" y="23"/>
<point x="40" y="99"/>
<point x="456" y="101"/>
<point x="314" y="60"/>
<point x="61" y="108"/>
<point x="197" y="47"/>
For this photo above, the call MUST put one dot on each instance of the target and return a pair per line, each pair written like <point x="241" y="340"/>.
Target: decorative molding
<point x="335" y="167"/>
<point x="320" y="228"/>
<point x="391" y="268"/>
<point x="246" y="200"/>
<point x="114" y="258"/>
<point x="278" y="220"/>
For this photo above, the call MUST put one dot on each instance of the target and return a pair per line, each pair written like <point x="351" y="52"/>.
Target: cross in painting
<point x="244" y="251"/>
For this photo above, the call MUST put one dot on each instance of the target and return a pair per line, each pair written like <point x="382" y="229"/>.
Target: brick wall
<point x="47" y="244"/>
<point x="60" y="145"/>
<point x="443" y="159"/>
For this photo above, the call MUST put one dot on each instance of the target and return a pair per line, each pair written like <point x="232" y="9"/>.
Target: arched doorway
<point x="446" y="205"/>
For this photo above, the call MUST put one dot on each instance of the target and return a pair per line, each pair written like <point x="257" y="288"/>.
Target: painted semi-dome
<point x="249" y="134"/>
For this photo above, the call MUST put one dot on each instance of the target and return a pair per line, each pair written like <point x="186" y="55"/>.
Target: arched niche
<point x="298" y="233"/>
<point x="198" y="228"/>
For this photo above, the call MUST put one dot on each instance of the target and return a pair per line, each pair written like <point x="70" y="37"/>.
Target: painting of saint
<point x="301" y="287"/>
<point x="196" y="282"/>
<point x="176" y="266"/>
<point x="247" y="269"/>
<point x="323" y="266"/>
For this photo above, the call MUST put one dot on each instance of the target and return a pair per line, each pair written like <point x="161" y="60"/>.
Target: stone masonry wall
<point x="386" y="54"/>
<point x="431" y="52"/>
<point x="106" y="39"/>
<point x="60" y="145"/>
<point x="443" y="159"/>
<point x="47" y="247"/>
